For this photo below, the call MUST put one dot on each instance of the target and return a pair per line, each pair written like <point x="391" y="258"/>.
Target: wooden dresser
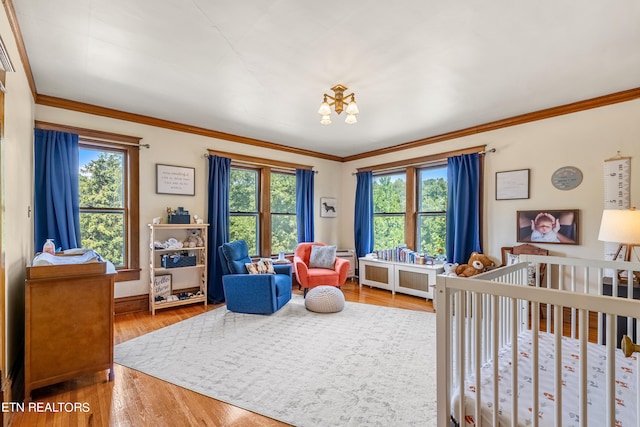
<point x="68" y="323"/>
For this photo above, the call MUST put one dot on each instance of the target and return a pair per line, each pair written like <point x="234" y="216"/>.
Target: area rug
<point x="364" y="366"/>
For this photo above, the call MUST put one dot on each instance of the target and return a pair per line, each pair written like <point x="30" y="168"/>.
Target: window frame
<point x="256" y="213"/>
<point x="125" y="209"/>
<point x="272" y="213"/>
<point x="426" y="213"/>
<point x="131" y="146"/>
<point x="407" y="203"/>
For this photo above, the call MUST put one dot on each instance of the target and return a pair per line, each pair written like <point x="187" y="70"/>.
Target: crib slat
<point x="637" y="382"/>
<point x="460" y="314"/>
<point x="496" y="347"/>
<point x="584" y="335"/>
<point x="514" y="365"/>
<point x="557" y="330"/>
<point x="535" y="363"/>
<point x="611" y="369"/>
<point x="477" y="317"/>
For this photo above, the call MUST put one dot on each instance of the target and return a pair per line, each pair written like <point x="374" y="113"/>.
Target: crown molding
<point x="600" y="101"/>
<point x="66" y="104"/>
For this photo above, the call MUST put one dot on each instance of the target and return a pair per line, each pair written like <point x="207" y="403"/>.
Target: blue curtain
<point x="463" y="211"/>
<point x="304" y="204"/>
<point x="363" y="217"/>
<point x="218" y="207"/>
<point x="57" y="199"/>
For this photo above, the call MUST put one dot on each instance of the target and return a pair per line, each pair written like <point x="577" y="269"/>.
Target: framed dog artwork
<point x="328" y="207"/>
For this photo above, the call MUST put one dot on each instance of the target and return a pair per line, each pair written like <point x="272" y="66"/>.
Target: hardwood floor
<point x="136" y="399"/>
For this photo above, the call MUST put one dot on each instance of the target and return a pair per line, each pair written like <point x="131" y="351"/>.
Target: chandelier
<point x="339" y="101"/>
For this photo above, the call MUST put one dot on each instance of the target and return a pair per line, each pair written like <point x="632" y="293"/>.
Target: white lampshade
<point x="620" y="226"/>
<point x="352" y="108"/>
<point x="324" y="110"/>
<point x="351" y="119"/>
<point x="326" y="119"/>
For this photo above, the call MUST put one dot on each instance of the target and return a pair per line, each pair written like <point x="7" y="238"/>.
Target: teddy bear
<point x="193" y="238"/>
<point x="449" y="268"/>
<point x="478" y="263"/>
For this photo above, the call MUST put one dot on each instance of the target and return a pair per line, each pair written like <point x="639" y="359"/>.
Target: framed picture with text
<point x="175" y="180"/>
<point x="512" y="184"/>
<point x="162" y="285"/>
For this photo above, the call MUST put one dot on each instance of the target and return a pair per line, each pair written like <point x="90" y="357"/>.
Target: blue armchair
<point x="252" y="293"/>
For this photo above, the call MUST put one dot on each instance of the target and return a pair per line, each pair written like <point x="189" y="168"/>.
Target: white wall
<point x="583" y="139"/>
<point x="183" y="149"/>
<point x="17" y="187"/>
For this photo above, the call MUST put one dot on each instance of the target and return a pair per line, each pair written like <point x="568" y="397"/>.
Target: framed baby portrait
<point x="548" y="226"/>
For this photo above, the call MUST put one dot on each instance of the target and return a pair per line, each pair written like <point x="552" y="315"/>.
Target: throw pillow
<point x="512" y="259"/>
<point x="260" y="267"/>
<point x="322" y="257"/>
<point x="268" y="265"/>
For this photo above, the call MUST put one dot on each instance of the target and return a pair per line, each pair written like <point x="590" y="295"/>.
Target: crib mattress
<point x="625" y="390"/>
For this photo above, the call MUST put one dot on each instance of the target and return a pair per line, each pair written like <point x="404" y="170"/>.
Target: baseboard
<point x="132" y="304"/>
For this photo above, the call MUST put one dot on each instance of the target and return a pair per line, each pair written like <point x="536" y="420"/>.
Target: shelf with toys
<point x="177" y="265"/>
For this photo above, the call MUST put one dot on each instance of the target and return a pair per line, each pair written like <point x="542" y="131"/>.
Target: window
<point x="431" y="210"/>
<point x="103" y="211"/>
<point x="389" y="210"/>
<point x="284" y="232"/>
<point x="109" y="198"/>
<point x="244" y="208"/>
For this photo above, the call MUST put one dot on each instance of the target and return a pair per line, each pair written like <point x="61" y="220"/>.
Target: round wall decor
<point x="566" y="178"/>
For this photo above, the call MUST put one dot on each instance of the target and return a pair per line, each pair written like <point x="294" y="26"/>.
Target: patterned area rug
<point x="364" y="366"/>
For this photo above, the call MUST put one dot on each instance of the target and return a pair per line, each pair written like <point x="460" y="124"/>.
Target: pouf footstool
<point x="324" y="299"/>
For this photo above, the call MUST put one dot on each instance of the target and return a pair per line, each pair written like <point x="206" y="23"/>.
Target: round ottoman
<point x="324" y="299"/>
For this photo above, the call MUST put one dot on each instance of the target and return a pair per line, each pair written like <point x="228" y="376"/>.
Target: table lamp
<point x="621" y="226"/>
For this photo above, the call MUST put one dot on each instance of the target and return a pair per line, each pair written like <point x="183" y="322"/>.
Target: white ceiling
<point x="258" y="68"/>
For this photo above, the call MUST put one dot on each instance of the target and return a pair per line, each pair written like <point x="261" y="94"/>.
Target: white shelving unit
<point x="412" y="279"/>
<point x="182" y="278"/>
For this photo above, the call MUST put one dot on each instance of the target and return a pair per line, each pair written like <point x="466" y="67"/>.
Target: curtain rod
<point x="260" y="161"/>
<point x="98" y="140"/>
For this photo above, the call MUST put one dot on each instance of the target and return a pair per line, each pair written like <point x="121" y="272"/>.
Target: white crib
<point x="496" y="334"/>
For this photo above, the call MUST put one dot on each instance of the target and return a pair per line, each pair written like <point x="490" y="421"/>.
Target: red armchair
<point x="309" y="277"/>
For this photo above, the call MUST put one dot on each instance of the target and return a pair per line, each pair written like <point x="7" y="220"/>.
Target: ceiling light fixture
<point x="339" y="100"/>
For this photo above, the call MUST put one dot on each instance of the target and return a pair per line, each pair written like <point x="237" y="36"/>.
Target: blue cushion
<point x="237" y="254"/>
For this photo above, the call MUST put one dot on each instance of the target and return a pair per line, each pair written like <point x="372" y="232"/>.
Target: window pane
<point x="243" y="191"/>
<point x="104" y="233"/>
<point x="101" y="180"/>
<point x="283" y="193"/>
<point x="388" y="231"/>
<point x="284" y="233"/>
<point x="389" y="193"/>
<point x="432" y="183"/>
<point x="431" y="234"/>
<point x="245" y="227"/>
